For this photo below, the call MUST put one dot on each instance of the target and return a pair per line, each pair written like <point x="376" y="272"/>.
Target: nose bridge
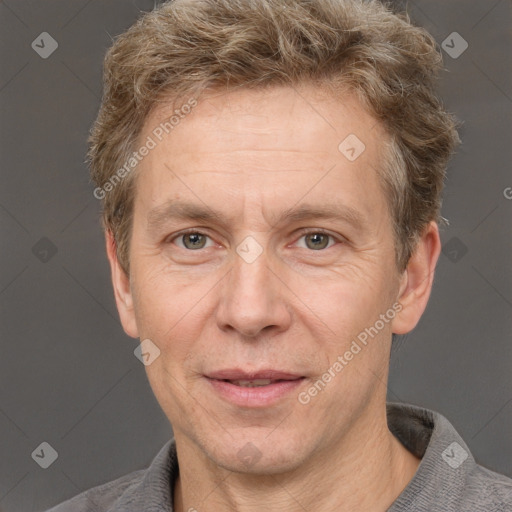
<point x="251" y="299"/>
<point x="250" y="275"/>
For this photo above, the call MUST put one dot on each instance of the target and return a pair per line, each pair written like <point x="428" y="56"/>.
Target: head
<point x="302" y="147"/>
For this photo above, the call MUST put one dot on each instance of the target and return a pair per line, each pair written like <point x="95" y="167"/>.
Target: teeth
<point x="251" y="383"/>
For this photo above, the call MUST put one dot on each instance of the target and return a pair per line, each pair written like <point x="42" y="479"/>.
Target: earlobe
<point x="417" y="279"/>
<point x="122" y="289"/>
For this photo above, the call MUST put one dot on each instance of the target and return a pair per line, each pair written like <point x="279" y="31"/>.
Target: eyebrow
<point x="178" y="210"/>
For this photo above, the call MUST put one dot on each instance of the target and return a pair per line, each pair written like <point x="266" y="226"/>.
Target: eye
<point x="317" y="240"/>
<point x="192" y="240"/>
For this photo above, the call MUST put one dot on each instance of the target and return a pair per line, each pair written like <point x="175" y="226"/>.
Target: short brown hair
<point x="187" y="46"/>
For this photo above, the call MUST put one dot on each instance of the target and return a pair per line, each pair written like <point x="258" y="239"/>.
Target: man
<point x="271" y="175"/>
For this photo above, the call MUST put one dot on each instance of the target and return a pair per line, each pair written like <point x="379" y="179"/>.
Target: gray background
<point x="68" y="375"/>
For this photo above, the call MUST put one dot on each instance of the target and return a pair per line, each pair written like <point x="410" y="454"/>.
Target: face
<point x="261" y="251"/>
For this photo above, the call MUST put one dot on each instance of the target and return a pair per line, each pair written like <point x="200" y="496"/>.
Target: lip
<point x="239" y="374"/>
<point x="256" y="397"/>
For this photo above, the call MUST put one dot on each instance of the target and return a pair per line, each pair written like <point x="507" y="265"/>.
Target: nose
<point x="253" y="299"/>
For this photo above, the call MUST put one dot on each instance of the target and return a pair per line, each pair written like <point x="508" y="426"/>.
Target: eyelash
<point x="303" y="232"/>
<point x="337" y="239"/>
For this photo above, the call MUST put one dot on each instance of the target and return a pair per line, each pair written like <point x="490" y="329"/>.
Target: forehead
<point x="280" y="118"/>
<point x="263" y="144"/>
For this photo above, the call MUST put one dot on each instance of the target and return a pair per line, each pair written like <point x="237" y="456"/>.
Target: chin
<point x="258" y="454"/>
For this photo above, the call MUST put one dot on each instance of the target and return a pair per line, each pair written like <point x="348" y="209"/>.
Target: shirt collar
<point x="425" y="433"/>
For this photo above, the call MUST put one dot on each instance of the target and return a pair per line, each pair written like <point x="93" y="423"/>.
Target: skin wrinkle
<point x="248" y="146"/>
<point x="292" y="309"/>
<point x="174" y="210"/>
<point x="330" y="44"/>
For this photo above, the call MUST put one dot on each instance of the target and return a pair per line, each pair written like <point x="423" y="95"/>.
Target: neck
<point x="366" y="470"/>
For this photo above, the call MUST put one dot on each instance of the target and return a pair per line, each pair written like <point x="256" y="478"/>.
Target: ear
<point x="416" y="280"/>
<point x="122" y="290"/>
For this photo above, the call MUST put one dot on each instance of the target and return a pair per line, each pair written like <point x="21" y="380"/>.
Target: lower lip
<point x="260" y="396"/>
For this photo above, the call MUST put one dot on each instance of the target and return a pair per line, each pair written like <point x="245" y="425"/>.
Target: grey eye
<point x="194" y="240"/>
<point x="317" y="241"/>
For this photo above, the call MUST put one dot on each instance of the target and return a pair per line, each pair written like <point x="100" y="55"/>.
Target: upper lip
<point x="238" y="374"/>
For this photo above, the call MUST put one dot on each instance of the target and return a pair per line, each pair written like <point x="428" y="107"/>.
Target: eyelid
<point x="308" y="231"/>
<point x="198" y="231"/>
<point x="301" y="232"/>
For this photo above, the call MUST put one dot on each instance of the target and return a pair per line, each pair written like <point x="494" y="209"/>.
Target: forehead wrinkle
<point x="324" y="212"/>
<point x="181" y="210"/>
<point x="190" y="211"/>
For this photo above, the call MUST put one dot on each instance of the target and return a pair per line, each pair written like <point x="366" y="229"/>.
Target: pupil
<point x="317" y="240"/>
<point x="194" y="240"/>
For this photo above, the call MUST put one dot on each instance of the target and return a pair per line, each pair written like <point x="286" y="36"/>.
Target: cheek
<point x="170" y="307"/>
<point x="344" y="298"/>
<point x="350" y="316"/>
<point x="155" y="307"/>
<point x="347" y="311"/>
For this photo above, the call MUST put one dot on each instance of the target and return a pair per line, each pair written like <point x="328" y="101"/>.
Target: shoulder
<point x="448" y="478"/>
<point x="133" y="492"/>
<point x="103" y="497"/>
<point x="485" y="487"/>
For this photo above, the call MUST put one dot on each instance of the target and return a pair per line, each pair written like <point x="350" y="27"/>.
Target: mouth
<point x="260" y="389"/>
<point x="256" y="383"/>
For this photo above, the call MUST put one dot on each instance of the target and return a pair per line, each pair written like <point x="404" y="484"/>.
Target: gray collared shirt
<point x="447" y="480"/>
